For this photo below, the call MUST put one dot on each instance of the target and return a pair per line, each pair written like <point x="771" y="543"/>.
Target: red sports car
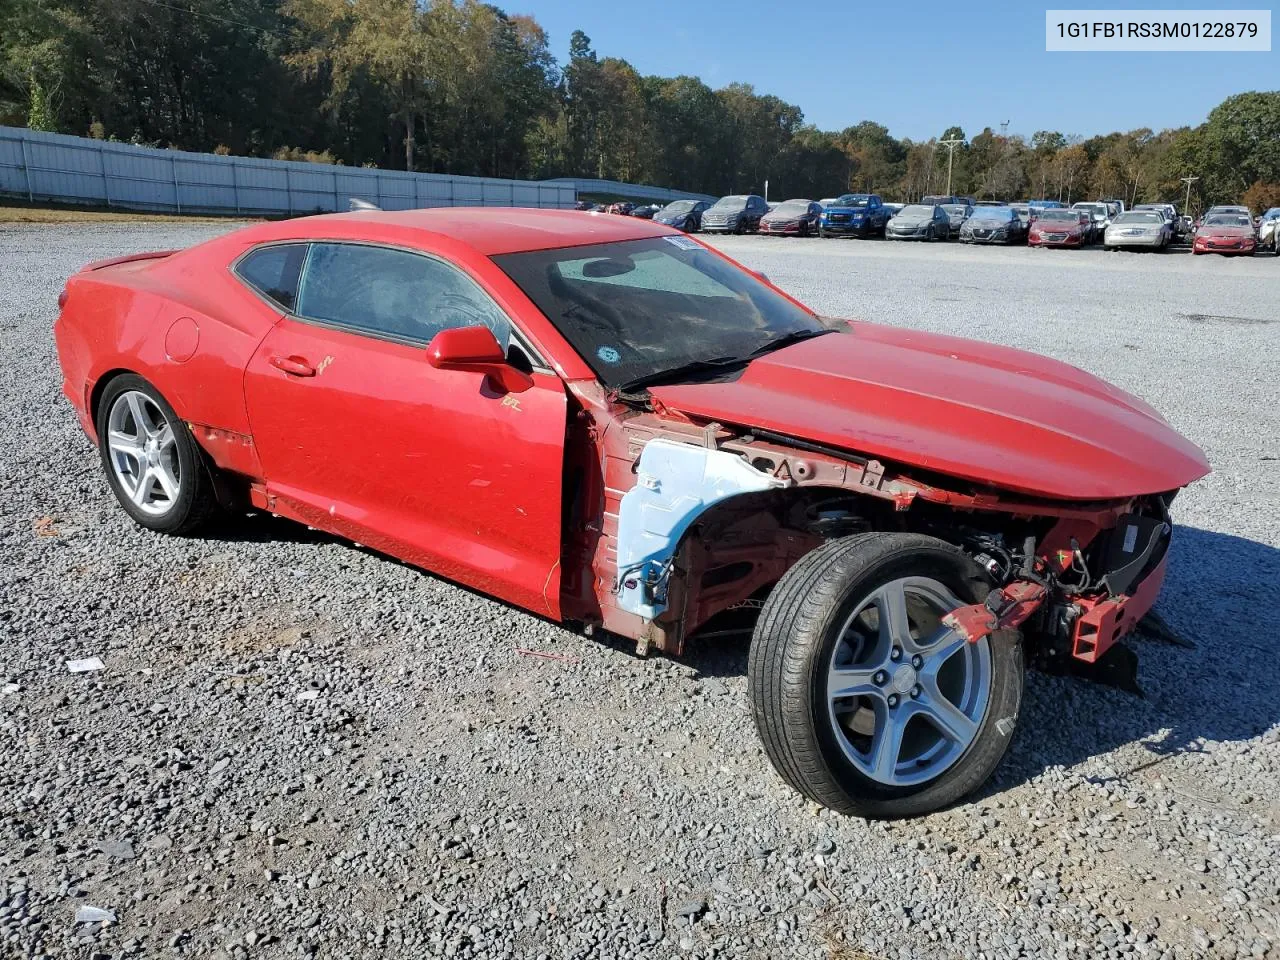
<point x="609" y="424"/>
<point x="1231" y="234"/>
<point x="1060" y="228"/>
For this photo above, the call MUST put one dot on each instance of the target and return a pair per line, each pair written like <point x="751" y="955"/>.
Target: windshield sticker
<point x="684" y="243"/>
<point x="608" y="354"/>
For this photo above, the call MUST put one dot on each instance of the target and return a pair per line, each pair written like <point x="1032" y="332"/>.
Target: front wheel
<point x="866" y="703"/>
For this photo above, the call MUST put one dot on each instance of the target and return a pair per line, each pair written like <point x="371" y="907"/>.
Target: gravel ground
<point x="299" y="748"/>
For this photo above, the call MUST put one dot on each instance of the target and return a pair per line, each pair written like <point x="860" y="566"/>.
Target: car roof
<point x="487" y="230"/>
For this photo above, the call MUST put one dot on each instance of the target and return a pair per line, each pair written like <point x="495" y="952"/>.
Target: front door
<point x="359" y="434"/>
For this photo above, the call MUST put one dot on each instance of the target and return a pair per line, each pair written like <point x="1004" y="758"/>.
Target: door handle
<point x="294" y="366"/>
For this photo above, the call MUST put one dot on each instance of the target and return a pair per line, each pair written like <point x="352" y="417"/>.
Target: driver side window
<point x="393" y="294"/>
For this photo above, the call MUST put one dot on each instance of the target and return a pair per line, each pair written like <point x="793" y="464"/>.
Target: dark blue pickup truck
<point x="854" y="214"/>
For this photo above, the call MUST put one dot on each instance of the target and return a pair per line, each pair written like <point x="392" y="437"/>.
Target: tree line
<point x="459" y="86"/>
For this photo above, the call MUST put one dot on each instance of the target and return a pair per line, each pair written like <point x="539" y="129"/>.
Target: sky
<point x="916" y="66"/>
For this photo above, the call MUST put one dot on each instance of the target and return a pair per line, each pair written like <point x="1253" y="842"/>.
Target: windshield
<point x="678" y="207"/>
<point x="792" y="208"/>
<point x="1136" y="217"/>
<point x="993" y="213"/>
<point x="916" y="210"/>
<point x="1227" y="220"/>
<point x="954" y="207"/>
<point x="637" y="308"/>
<point x="852" y="200"/>
<point x="1058" y="216"/>
<point x="730" y="203"/>
<point x="1098" y="208"/>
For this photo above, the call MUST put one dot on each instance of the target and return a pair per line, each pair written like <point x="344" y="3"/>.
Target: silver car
<point x="919" y="221"/>
<point x="1148" y="229"/>
<point x="957" y="213"/>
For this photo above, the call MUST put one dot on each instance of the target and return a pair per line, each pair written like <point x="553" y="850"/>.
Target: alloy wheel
<point x="906" y="695"/>
<point x="143" y="453"/>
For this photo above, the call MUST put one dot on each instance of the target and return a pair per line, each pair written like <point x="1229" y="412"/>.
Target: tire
<point x="797" y="639"/>
<point x="178" y="496"/>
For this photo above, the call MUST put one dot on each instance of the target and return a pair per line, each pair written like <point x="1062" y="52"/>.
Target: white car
<point x="1138" y="228"/>
<point x="1100" y="214"/>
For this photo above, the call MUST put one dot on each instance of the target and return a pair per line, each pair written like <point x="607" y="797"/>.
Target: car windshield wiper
<point x="684" y="371"/>
<point x="694" y="368"/>
<point x="786" y="340"/>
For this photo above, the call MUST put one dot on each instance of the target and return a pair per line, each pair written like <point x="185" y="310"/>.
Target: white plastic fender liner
<point x="675" y="484"/>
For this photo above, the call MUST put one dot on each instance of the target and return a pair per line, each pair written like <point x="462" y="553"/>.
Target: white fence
<point x="50" y="166"/>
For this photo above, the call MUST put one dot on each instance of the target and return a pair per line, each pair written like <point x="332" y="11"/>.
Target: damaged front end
<point x="679" y="522"/>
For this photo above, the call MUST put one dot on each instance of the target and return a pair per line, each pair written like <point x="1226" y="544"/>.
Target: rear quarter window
<point x="274" y="271"/>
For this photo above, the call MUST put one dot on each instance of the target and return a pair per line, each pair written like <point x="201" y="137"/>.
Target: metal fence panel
<point x="51" y="166"/>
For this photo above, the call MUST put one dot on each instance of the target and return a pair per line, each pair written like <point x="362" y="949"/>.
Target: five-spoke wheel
<point x="144" y="454"/>
<point x="155" y="468"/>
<point x="865" y="700"/>
<point x="905" y="693"/>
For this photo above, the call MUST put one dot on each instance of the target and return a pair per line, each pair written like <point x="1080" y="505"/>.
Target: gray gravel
<point x="298" y="748"/>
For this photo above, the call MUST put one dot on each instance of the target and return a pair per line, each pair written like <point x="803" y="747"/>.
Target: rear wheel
<point x="865" y="701"/>
<point x="153" y="465"/>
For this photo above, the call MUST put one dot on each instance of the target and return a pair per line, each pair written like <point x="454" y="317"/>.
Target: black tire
<point x="196" y="501"/>
<point x="792" y="648"/>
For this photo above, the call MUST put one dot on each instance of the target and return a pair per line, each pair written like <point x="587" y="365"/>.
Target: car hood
<point x="1056" y="226"/>
<point x="977" y="411"/>
<point x="1232" y="232"/>
<point x="836" y="208"/>
<point x="909" y="221"/>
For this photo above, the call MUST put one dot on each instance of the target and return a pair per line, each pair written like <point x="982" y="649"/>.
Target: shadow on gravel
<point x="263" y="528"/>
<point x="1221" y="593"/>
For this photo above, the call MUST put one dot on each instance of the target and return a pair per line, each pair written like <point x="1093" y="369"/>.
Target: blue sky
<point x="907" y="65"/>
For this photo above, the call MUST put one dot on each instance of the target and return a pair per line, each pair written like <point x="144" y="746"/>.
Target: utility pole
<point x="951" y="150"/>
<point x="1186" y="210"/>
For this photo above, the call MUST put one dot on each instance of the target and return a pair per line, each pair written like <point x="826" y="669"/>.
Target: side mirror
<point x="477" y="350"/>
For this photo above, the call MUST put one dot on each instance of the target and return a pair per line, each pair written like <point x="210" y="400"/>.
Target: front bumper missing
<point x="1098" y="619"/>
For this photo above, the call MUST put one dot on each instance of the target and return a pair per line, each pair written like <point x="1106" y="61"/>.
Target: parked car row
<point x="1228" y="230"/>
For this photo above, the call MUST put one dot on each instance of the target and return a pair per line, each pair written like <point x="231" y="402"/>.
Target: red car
<point x="609" y="424"/>
<point x="1060" y="228"/>
<point x="1231" y="234"/>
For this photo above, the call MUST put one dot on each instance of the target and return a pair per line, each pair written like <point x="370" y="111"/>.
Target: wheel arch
<point x="100" y="385"/>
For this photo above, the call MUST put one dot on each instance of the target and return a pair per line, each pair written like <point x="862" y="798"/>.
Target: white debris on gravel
<point x="87" y="665"/>
<point x="449" y="796"/>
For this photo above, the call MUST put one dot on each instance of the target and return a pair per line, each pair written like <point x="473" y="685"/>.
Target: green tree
<point x="384" y="41"/>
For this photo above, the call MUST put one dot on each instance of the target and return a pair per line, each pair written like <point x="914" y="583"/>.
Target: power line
<point x="191" y="12"/>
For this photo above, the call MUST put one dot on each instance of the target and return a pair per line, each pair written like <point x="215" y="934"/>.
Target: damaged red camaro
<point x="607" y="423"/>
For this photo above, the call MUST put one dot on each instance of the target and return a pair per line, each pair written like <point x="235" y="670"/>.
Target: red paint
<point x="1017" y="601"/>
<point x="1227" y="240"/>
<point x="1106" y="620"/>
<point x="182" y="340"/>
<point x="452" y="460"/>
<point x="433" y="466"/>
<point x="973" y="410"/>
<point x="1072" y="234"/>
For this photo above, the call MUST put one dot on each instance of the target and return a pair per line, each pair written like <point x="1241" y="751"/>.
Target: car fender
<point x="675" y="484"/>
